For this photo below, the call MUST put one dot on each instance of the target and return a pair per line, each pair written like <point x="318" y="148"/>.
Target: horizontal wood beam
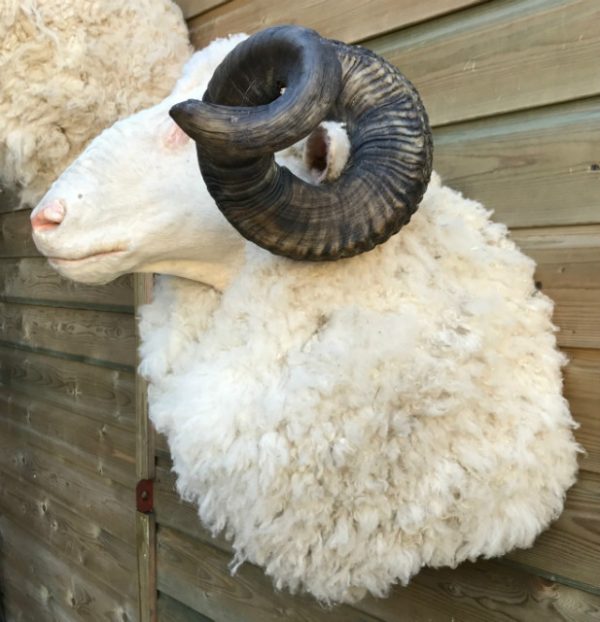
<point x="346" y="20"/>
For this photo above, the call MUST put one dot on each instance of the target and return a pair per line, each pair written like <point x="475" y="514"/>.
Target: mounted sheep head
<point x="245" y="117"/>
<point x="130" y="203"/>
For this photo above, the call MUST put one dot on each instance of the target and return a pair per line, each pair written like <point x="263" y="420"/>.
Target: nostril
<point x="49" y="216"/>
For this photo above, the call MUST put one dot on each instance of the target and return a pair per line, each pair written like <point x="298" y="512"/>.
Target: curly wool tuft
<point x="69" y="71"/>
<point x="347" y="424"/>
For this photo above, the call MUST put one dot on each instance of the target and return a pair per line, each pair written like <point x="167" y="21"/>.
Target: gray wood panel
<point x="33" y="281"/>
<point x="346" y="20"/>
<point x="499" y="57"/>
<point x="102" y="393"/>
<point x="69" y="591"/>
<point x="87" y="335"/>
<point x="91" y="445"/>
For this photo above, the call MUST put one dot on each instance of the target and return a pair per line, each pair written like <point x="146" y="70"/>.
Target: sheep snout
<point x="49" y="216"/>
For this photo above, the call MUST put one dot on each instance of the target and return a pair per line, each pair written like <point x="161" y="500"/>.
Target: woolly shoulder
<point x="178" y="314"/>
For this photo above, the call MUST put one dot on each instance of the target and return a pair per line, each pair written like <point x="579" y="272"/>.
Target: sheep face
<point x="134" y="201"/>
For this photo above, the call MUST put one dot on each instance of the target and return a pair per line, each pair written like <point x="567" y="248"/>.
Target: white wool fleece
<point x="68" y="70"/>
<point x="348" y="423"/>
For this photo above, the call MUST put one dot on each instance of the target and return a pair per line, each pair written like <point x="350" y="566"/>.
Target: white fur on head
<point x="135" y="200"/>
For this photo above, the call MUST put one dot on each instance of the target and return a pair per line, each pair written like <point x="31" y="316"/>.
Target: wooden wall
<point x="67" y="443"/>
<point x="513" y="92"/>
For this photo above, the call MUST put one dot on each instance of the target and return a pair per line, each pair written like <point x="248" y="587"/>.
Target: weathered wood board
<point x="499" y="57"/>
<point x="197" y="574"/>
<point x="103" y="393"/>
<point x="86" y="335"/>
<point x="92" y="445"/>
<point x="32" y="281"/>
<point x="532" y="168"/>
<point x="344" y="20"/>
<point x="67" y="595"/>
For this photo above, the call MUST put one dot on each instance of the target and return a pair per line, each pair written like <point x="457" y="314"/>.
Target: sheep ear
<point x="175" y="137"/>
<point x="326" y="151"/>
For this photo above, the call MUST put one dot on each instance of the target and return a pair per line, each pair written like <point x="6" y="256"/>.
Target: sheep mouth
<point x="91" y="257"/>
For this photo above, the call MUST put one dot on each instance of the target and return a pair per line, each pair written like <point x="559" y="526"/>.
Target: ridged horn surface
<point x="244" y="119"/>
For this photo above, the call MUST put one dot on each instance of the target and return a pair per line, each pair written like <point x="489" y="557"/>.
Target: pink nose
<point x="51" y="215"/>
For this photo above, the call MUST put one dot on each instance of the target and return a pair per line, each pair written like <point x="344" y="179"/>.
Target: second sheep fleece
<point x="68" y="70"/>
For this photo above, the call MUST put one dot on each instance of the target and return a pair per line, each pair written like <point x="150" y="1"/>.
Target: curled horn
<point x="245" y="117"/>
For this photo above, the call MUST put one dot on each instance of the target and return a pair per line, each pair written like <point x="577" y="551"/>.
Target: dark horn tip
<point x="184" y="113"/>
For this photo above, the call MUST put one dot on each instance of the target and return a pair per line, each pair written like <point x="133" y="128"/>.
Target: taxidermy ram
<point x="344" y="422"/>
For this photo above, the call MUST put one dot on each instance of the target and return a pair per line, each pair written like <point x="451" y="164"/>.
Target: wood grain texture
<point x="571" y="547"/>
<point x="576" y="313"/>
<point x="92" y="446"/>
<point x="79" y="540"/>
<point x="171" y="610"/>
<point x="567" y="257"/>
<point x="483" y="592"/>
<point x="28" y="602"/>
<point x="15" y="235"/>
<point x="197" y="575"/>
<point x="88" y="334"/>
<point x="104" y="394"/>
<point x="145" y="526"/>
<point x="172" y="511"/>
<point x="88" y="495"/>
<point x="499" y="57"/>
<point x="191" y="8"/>
<point x="70" y="592"/>
<point x="582" y="389"/>
<point x="32" y="280"/>
<point x="533" y="168"/>
<point x="568" y="270"/>
<point x="344" y="20"/>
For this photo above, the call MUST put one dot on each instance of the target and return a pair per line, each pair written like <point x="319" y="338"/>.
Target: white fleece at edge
<point x="348" y="423"/>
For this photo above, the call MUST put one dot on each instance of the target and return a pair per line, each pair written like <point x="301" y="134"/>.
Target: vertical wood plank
<point x="142" y="292"/>
<point x="145" y="527"/>
<point x="145" y="523"/>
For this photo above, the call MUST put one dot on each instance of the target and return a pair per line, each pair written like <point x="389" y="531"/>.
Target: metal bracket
<point x="144" y="496"/>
